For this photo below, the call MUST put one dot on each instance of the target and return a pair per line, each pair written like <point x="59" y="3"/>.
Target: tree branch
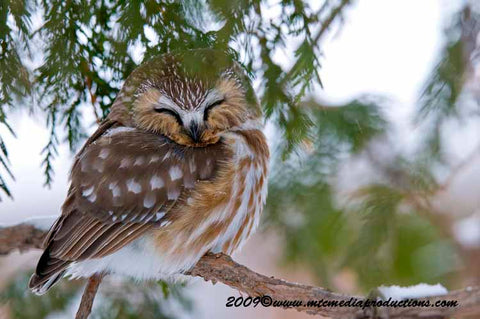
<point x="221" y="268"/>
<point x="88" y="296"/>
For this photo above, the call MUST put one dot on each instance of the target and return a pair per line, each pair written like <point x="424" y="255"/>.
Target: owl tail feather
<point x="49" y="271"/>
<point x="39" y="285"/>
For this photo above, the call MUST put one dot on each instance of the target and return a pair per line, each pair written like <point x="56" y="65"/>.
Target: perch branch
<point x="88" y="296"/>
<point x="221" y="268"/>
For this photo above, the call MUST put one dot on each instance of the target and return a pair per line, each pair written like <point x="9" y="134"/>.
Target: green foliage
<point x="439" y="100"/>
<point x="383" y="234"/>
<point x="121" y="300"/>
<point x="141" y="301"/>
<point x="301" y="201"/>
<point x="391" y="246"/>
<point x="14" y="76"/>
<point x="25" y="305"/>
<point x="352" y="124"/>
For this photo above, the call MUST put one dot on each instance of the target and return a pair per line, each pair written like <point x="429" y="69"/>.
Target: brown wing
<point x="123" y="184"/>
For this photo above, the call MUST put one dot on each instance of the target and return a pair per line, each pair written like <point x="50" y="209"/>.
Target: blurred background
<point x="372" y="115"/>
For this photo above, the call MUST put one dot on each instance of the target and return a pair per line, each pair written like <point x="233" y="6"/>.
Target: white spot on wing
<point x="125" y="162"/>
<point x="133" y="186"/>
<point x="189" y="183"/>
<point x="98" y="166"/>
<point x="139" y="161"/>
<point x="166" y="156"/>
<point x="104" y="153"/>
<point x="192" y="165"/>
<point x="156" y="182"/>
<point x="159" y="216"/>
<point x="175" y="172"/>
<point x="165" y="223"/>
<point x="92" y="198"/>
<point x="149" y="201"/>
<point x="116" y="192"/>
<point x="154" y="159"/>
<point x="88" y="191"/>
<point x="118" y="130"/>
<point x="173" y="193"/>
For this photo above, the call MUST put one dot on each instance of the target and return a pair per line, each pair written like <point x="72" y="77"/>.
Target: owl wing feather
<point x="123" y="183"/>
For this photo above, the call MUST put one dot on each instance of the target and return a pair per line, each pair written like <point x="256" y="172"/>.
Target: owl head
<point x="191" y="97"/>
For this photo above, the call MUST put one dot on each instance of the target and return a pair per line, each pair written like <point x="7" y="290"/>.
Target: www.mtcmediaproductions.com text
<point x="268" y="301"/>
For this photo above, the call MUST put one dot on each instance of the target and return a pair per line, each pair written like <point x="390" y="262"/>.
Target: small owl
<point x="178" y="169"/>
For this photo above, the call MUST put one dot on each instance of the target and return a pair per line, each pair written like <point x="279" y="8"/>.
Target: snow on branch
<point x="221" y="268"/>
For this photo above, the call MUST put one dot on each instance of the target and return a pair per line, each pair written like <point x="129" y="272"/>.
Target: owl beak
<point x="195" y="132"/>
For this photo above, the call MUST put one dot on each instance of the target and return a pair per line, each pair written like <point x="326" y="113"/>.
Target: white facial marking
<point x="149" y="201"/>
<point x="175" y="172"/>
<point x="133" y="186"/>
<point x="116" y="192"/>
<point x="104" y="153"/>
<point x="167" y="102"/>
<point x="156" y="182"/>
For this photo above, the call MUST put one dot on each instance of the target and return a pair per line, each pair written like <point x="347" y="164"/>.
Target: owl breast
<point x="220" y="214"/>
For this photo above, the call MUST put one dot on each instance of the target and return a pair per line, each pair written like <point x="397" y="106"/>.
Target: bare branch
<point x="88" y="296"/>
<point x="221" y="268"/>
<point x="22" y="237"/>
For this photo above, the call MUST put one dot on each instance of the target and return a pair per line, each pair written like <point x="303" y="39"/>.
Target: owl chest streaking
<point x="177" y="170"/>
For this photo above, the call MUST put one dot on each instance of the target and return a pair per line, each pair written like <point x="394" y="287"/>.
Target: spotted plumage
<point x="177" y="169"/>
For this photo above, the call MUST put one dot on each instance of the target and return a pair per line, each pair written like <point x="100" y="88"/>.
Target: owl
<point x="177" y="169"/>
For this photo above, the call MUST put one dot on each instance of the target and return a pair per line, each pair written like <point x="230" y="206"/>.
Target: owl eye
<point x="170" y="112"/>
<point x="210" y="107"/>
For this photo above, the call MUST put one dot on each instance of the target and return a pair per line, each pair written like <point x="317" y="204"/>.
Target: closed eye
<point x="210" y="107"/>
<point x="170" y="112"/>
